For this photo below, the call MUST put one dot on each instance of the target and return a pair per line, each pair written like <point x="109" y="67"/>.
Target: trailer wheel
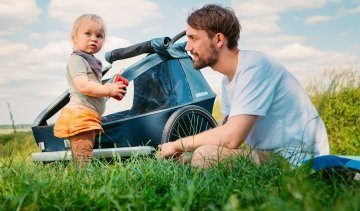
<point x="187" y="121"/>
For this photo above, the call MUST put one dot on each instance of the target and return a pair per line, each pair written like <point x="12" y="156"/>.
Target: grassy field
<point x="145" y="183"/>
<point x="6" y="129"/>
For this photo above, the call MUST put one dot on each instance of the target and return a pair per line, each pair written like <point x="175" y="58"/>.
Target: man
<point x="265" y="104"/>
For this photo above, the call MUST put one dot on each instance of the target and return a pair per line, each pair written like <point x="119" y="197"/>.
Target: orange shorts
<point x="73" y="121"/>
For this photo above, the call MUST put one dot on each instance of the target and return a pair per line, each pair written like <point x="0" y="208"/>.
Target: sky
<point x="308" y="37"/>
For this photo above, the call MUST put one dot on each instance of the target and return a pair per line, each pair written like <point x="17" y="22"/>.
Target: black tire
<point x="187" y="121"/>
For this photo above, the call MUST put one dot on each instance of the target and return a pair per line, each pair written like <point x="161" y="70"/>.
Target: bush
<point x="20" y="145"/>
<point x="339" y="107"/>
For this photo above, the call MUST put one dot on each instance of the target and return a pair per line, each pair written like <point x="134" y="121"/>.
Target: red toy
<point x="118" y="78"/>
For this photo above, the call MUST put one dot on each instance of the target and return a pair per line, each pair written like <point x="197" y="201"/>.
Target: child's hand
<point x="117" y="90"/>
<point x="124" y="81"/>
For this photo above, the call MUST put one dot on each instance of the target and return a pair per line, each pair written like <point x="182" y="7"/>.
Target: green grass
<point x="17" y="146"/>
<point x="145" y="183"/>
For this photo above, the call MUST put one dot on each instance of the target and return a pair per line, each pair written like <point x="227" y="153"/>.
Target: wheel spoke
<point x="185" y="125"/>
<point x="207" y="126"/>
<point x="191" y="126"/>
<point x="180" y="125"/>
<point x="189" y="122"/>
<point x="201" y="124"/>
<point x="198" y="129"/>
<point x="176" y="135"/>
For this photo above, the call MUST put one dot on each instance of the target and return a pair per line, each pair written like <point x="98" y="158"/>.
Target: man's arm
<point x="222" y="119"/>
<point x="230" y="135"/>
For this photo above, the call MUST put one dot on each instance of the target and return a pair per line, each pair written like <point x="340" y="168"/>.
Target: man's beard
<point x="209" y="61"/>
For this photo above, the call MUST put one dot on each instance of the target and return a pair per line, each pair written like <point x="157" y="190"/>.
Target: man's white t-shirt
<point x="288" y="123"/>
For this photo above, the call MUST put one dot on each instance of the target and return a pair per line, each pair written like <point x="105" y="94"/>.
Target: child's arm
<point x="90" y="88"/>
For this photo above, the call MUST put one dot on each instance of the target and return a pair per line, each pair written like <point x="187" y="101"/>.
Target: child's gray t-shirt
<point x="77" y="66"/>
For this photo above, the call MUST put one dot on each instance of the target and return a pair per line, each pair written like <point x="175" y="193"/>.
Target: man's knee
<point x="201" y="149"/>
<point x="205" y="150"/>
<point x="209" y="154"/>
<point x="205" y="155"/>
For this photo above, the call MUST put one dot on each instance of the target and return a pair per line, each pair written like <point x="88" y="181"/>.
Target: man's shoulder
<point x="251" y="56"/>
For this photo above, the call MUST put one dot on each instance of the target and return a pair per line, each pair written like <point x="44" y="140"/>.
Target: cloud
<point x="262" y="24"/>
<point x="346" y="12"/>
<point x="311" y="20"/>
<point x="16" y="15"/>
<point x="305" y="57"/>
<point x="52" y="36"/>
<point x="276" y="40"/>
<point x="356" y="47"/>
<point x="262" y="15"/>
<point x="306" y="60"/>
<point x="23" y="63"/>
<point x="31" y="78"/>
<point x="251" y="8"/>
<point x="11" y="48"/>
<point x="116" y="14"/>
<point x="113" y="42"/>
<point x="317" y="19"/>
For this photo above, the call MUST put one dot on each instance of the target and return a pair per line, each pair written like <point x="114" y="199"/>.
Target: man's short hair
<point x="214" y="18"/>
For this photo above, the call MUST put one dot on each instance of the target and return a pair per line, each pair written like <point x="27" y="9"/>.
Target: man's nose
<point x="187" y="47"/>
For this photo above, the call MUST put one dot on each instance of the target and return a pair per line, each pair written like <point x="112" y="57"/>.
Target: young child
<point x="80" y="119"/>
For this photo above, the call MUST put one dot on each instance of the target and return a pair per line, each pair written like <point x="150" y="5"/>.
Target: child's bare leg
<point x="82" y="146"/>
<point x="207" y="155"/>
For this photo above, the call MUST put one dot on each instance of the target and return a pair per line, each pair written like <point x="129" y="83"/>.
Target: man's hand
<point x="168" y="150"/>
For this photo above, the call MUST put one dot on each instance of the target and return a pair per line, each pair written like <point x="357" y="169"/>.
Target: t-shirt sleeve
<point x="254" y="92"/>
<point x="76" y="66"/>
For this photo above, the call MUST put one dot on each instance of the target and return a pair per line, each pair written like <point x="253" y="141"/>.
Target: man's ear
<point x="220" y="40"/>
